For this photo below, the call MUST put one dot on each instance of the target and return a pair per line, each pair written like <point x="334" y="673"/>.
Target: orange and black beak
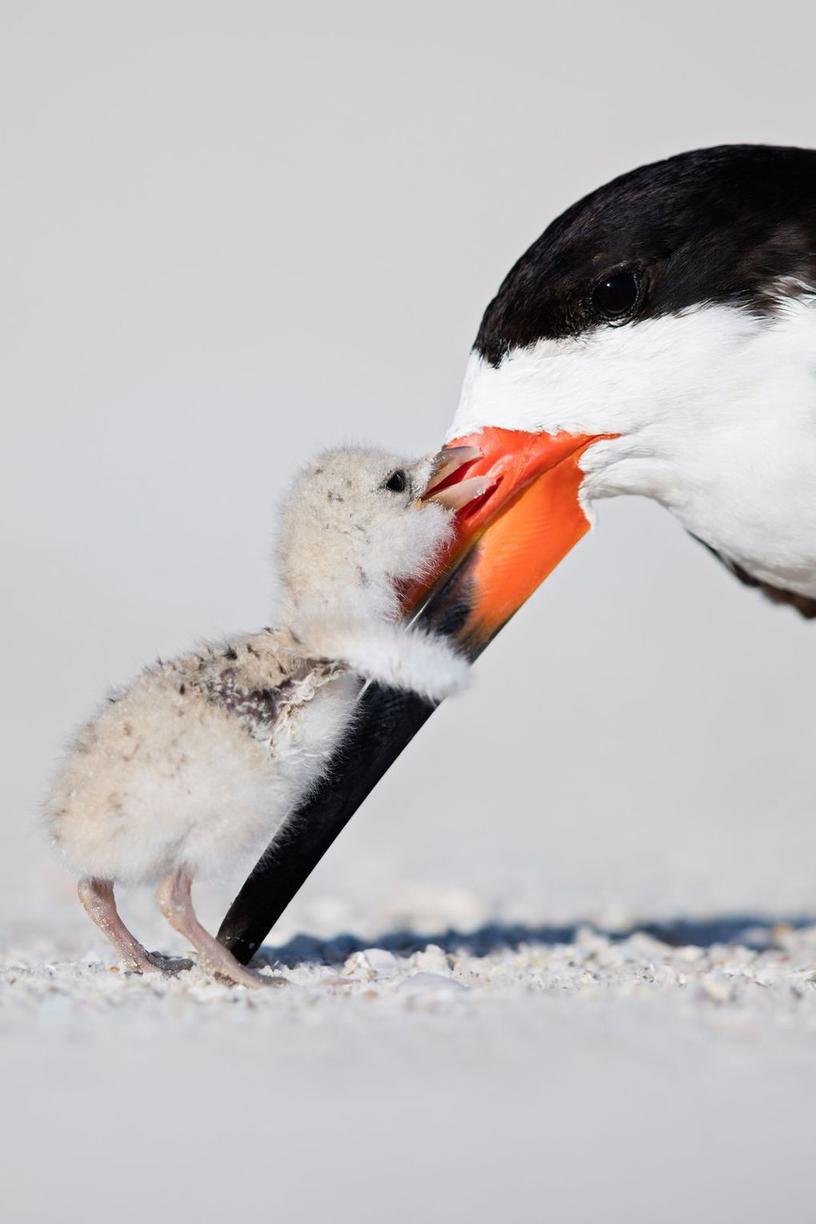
<point x="516" y="497"/>
<point x="518" y="514"/>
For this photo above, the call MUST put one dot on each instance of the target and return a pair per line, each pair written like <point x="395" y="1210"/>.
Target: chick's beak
<point x="446" y="486"/>
<point x="519" y="514"/>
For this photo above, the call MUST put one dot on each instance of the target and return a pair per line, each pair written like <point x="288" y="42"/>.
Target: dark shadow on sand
<point x="757" y="931"/>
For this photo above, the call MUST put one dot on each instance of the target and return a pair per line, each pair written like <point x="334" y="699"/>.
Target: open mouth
<point x="518" y="513"/>
<point x="448" y="485"/>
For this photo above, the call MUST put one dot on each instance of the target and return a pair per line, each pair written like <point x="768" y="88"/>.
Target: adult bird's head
<point x="659" y="338"/>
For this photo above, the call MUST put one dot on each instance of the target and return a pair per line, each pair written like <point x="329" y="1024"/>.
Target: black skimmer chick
<point x="203" y="757"/>
<point x="659" y="338"/>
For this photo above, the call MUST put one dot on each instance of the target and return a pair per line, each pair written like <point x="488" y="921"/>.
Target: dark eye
<point x="397" y="482"/>
<point x="616" y="296"/>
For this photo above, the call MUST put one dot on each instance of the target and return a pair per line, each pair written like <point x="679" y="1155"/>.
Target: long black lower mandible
<point x="387" y="720"/>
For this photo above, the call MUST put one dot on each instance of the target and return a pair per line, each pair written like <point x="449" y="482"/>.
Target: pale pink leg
<point x="100" y="905"/>
<point x="175" y="902"/>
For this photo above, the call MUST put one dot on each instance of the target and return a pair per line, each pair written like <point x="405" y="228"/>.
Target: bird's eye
<point x="616" y="296"/>
<point x="397" y="482"/>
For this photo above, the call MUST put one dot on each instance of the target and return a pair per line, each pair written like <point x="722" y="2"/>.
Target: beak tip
<point x="446" y="463"/>
<point x="457" y="496"/>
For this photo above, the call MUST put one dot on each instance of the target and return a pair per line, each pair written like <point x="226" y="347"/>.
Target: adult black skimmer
<point x="659" y="338"/>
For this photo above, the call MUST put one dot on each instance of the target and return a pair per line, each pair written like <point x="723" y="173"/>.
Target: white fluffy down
<point x="407" y="659"/>
<point x="346" y="542"/>
<point x="162" y="778"/>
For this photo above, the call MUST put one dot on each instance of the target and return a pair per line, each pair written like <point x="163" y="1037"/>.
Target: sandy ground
<point x="440" y="1063"/>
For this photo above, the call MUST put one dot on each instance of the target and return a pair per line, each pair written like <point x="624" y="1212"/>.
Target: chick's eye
<point x="616" y="295"/>
<point x="397" y="482"/>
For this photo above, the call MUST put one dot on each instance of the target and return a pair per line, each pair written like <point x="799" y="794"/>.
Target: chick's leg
<point x="175" y="902"/>
<point x="99" y="903"/>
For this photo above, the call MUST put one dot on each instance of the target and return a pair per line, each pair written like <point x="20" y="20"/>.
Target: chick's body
<point x="204" y="757"/>
<point x="199" y="760"/>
